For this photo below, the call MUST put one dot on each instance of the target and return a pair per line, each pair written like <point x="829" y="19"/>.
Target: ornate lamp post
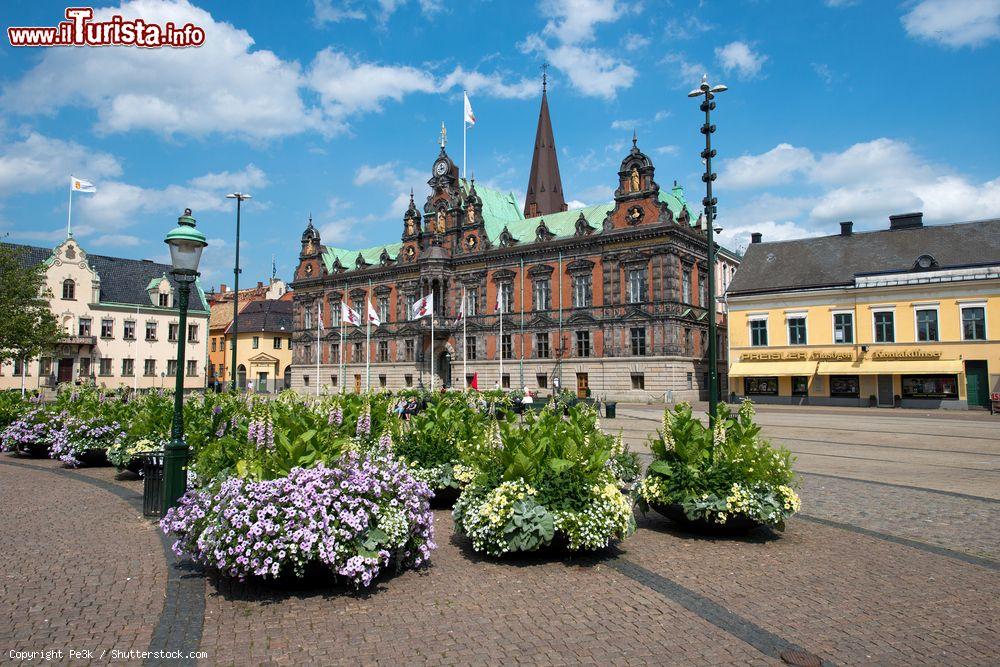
<point x="186" y="244"/>
<point x="709" y="202"/>
<point x="240" y="197"/>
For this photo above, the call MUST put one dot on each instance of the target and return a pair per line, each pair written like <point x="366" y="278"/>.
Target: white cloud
<point x="38" y="163"/>
<point x="737" y="238"/>
<point x="956" y="24"/>
<point x="687" y="73"/>
<point x="492" y="85"/>
<point x="591" y="71"/>
<point x="777" y="165"/>
<point x="116" y="205"/>
<point x="326" y="11"/>
<point x="574" y="204"/>
<point x="739" y="58"/>
<point x="118" y="240"/>
<point x="635" y="42"/>
<point x="225" y="86"/>
<point x="865" y="182"/>
<point x="686" y="27"/>
<point x="576" y="20"/>
<point x="347" y="86"/>
<point x="667" y="150"/>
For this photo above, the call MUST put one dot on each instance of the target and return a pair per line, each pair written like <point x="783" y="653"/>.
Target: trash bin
<point x="152" y="484"/>
<point x="610" y="409"/>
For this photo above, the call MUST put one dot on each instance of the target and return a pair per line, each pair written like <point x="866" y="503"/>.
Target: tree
<point x="27" y="325"/>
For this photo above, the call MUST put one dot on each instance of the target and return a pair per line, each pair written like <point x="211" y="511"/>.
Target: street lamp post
<point x="709" y="202"/>
<point x="240" y="197"/>
<point x="186" y="244"/>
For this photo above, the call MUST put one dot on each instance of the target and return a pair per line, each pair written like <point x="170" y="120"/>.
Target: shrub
<point x="354" y="519"/>
<point x="718" y="474"/>
<point x="12" y="407"/>
<point x="73" y="437"/>
<point x="432" y="441"/>
<point x="546" y="471"/>
<point x="30" y="433"/>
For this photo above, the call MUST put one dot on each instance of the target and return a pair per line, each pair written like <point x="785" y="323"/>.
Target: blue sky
<point x="837" y="110"/>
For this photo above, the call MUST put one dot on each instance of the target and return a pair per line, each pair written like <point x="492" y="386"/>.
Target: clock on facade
<point x="441" y="167"/>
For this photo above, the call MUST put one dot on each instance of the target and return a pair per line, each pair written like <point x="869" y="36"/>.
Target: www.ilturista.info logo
<point x="80" y="30"/>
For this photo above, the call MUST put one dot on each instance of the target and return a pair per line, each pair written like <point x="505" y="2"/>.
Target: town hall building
<point x="608" y="301"/>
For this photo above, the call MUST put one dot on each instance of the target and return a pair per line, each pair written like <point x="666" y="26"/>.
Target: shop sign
<point x="773" y="356"/>
<point x="886" y="355"/>
<point x="832" y="356"/>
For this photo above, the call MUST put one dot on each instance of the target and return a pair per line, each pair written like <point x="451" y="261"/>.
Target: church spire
<point x="545" y="193"/>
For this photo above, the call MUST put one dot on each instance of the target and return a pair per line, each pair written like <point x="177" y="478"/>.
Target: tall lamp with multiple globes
<point x="186" y="244"/>
<point x="709" y="92"/>
<point x="240" y="197"/>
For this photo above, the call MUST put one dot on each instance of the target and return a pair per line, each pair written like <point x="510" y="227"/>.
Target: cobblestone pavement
<point x="664" y="597"/>
<point x="81" y="569"/>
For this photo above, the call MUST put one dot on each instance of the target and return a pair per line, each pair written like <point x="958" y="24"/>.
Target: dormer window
<point x="164" y="300"/>
<point x="925" y="263"/>
<point x="69" y="289"/>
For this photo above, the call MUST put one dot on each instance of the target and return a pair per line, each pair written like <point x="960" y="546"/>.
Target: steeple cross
<point x="545" y="75"/>
<point x="444" y="135"/>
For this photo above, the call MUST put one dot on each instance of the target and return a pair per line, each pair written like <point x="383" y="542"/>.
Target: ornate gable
<point x="542" y="232"/>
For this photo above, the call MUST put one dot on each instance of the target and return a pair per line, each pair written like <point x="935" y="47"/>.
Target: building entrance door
<point x="582" y="385"/>
<point x="262" y="381"/>
<point x="885" y="391"/>
<point x="357" y="383"/>
<point x="65" y="370"/>
<point x="976" y="391"/>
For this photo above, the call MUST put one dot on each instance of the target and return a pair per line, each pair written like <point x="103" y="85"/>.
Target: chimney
<point x="906" y="221"/>
<point x="756" y="237"/>
<point x="222" y="288"/>
<point x="259" y="284"/>
<point x="846" y="228"/>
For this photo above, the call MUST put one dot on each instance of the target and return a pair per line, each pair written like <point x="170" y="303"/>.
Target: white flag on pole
<point x="319" y="315"/>
<point x="461" y="308"/>
<point x="80" y="185"/>
<point x="500" y="299"/>
<point x="373" y="315"/>
<point x="349" y="315"/>
<point x="470" y="117"/>
<point x="422" y="307"/>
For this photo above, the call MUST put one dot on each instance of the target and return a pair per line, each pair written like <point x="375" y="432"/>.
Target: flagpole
<point x="465" y="339"/>
<point x="319" y="324"/>
<point x="465" y="96"/>
<point x="135" y="338"/>
<point x="432" y="341"/>
<point x="368" y="339"/>
<point x="342" y="378"/>
<point x="69" y="213"/>
<point x="500" y="341"/>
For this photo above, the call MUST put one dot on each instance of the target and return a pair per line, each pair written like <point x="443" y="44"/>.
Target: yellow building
<point x="908" y="316"/>
<point x="264" y="346"/>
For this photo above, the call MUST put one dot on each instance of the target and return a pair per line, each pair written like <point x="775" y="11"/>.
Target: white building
<point x="121" y="322"/>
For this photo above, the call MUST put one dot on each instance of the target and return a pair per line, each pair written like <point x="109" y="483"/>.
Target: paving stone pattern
<point x="664" y="597"/>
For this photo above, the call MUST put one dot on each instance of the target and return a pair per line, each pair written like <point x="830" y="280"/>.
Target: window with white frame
<point x="581" y="290"/>
<point x="973" y="323"/>
<point x="843" y="327"/>
<point x="884" y="322"/>
<point x="543" y="294"/>
<point x="758" y="332"/>
<point x="927" y="324"/>
<point x="637" y="285"/>
<point x="686" y="286"/>
<point x="796" y="330"/>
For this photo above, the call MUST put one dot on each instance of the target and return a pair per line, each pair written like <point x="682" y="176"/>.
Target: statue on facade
<point x="439" y="226"/>
<point x="635" y="180"/>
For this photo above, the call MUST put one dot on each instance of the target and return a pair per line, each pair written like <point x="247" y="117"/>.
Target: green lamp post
<point x="186" y="244"/>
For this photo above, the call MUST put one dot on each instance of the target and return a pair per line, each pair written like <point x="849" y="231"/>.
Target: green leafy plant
<point x="721" y="473"/>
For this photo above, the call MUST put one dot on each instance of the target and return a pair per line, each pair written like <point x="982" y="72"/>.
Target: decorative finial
<point x="444" y="135"/>
<point x="545" y="78"/>
<point x="310" y="218"/>
<point x="635" y="138"/>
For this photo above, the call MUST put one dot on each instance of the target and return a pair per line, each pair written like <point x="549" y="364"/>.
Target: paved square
<point x="894" y="560"/>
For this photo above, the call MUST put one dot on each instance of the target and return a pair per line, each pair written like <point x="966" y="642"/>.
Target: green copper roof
<point x="349" y="257"/>
<point x="501" y="210"/>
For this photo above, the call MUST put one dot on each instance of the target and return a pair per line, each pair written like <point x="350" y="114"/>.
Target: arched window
<point x="69" y="289"/>
<point x="288" y="377"/>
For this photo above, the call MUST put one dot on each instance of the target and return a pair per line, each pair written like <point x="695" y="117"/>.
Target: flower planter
<point x="35" y="451"/>
<point x="734" y="525"/>
<point x="93" y="457"/>
<point x="444" y="498"/>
